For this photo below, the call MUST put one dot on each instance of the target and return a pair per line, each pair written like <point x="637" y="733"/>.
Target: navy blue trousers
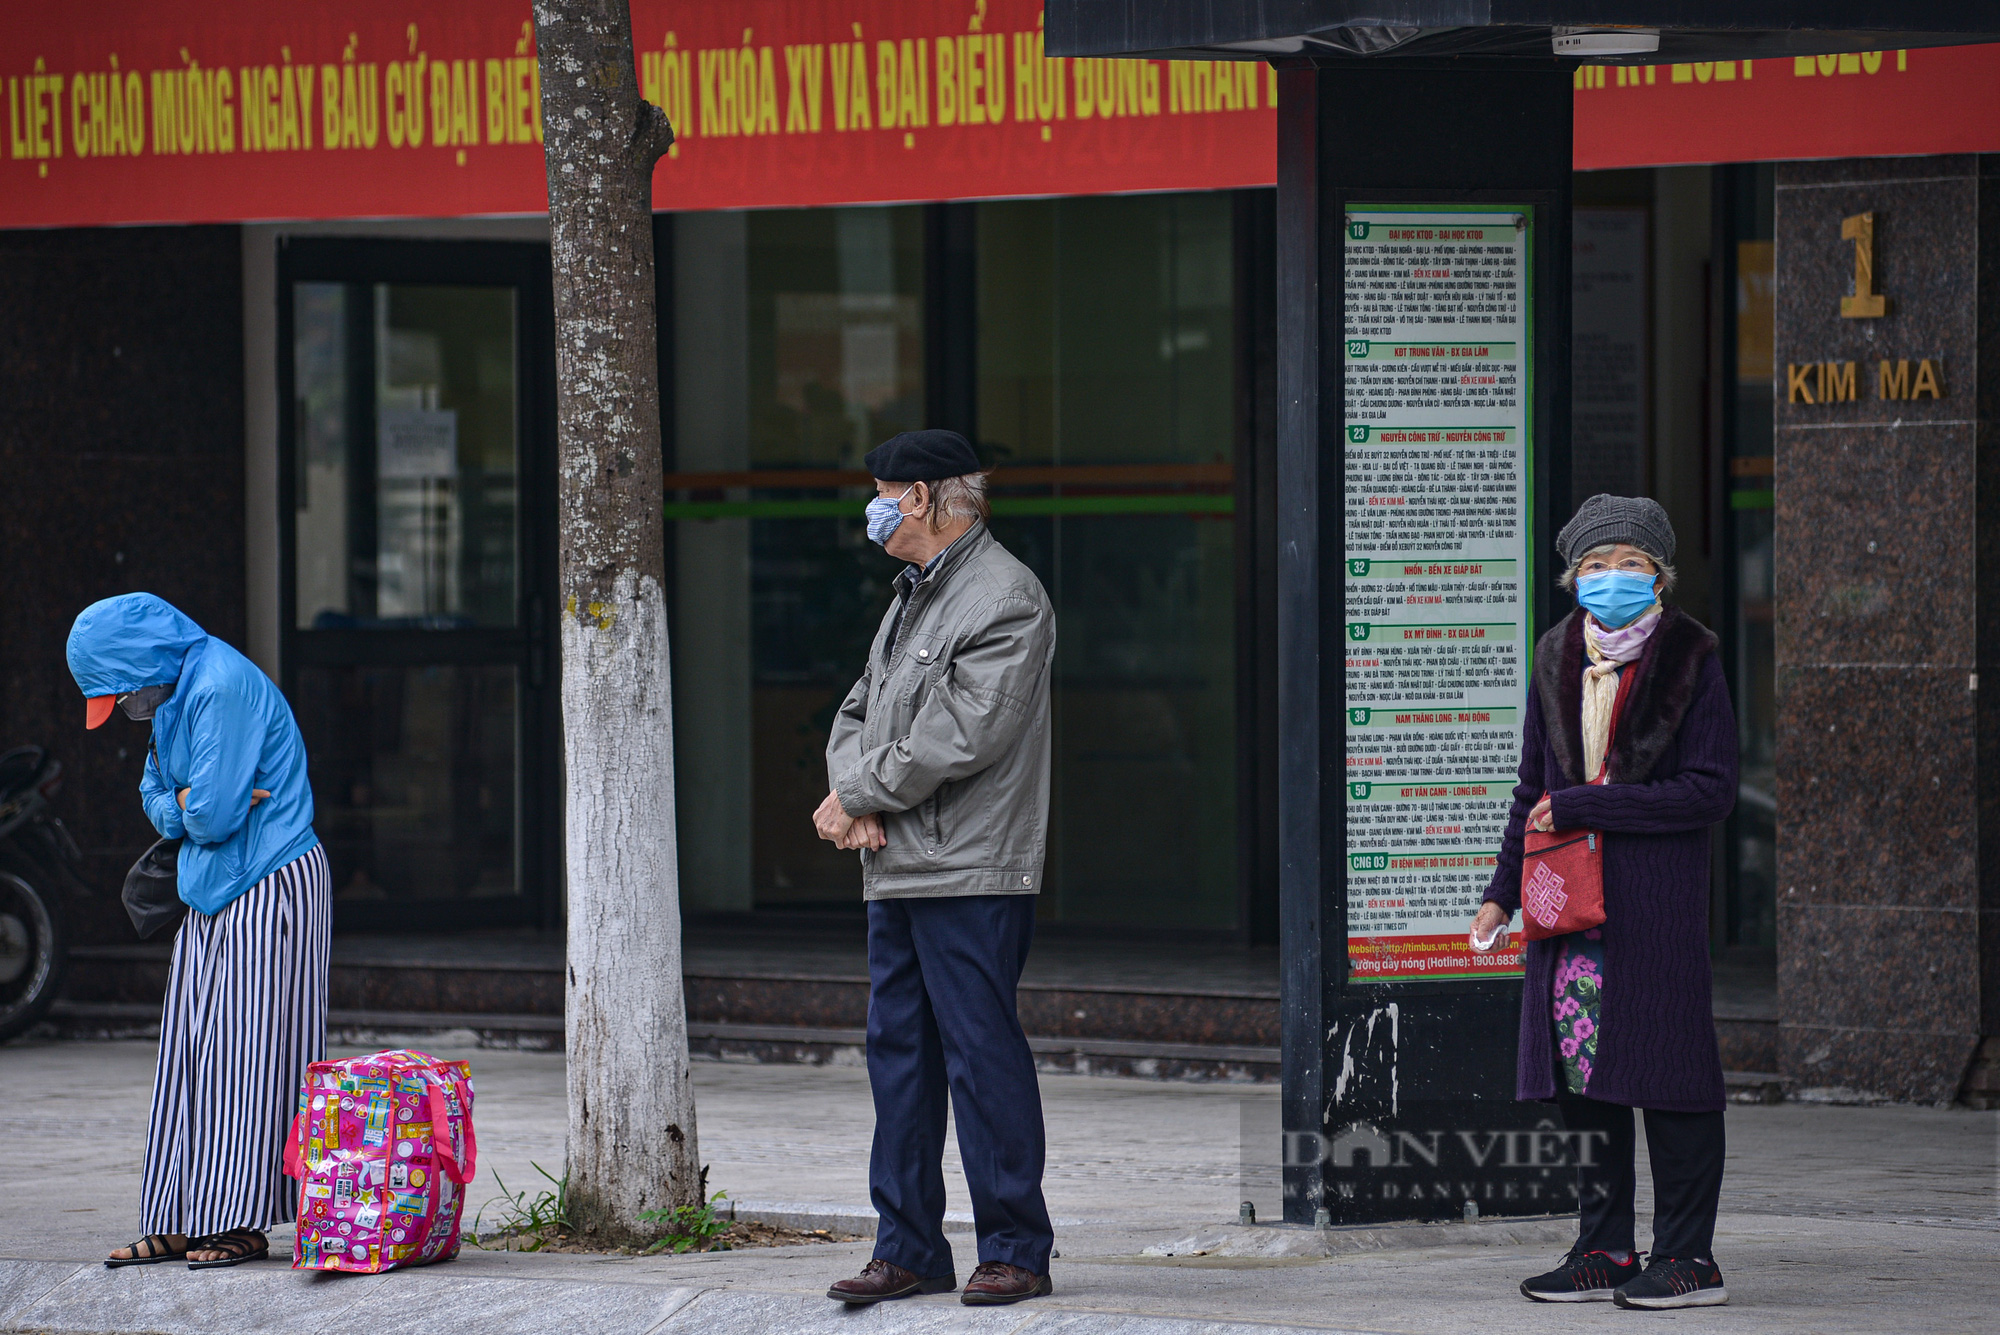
<point x="942" y="974"/>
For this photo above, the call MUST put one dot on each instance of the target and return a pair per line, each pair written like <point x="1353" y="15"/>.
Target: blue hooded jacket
<point x="224" y="731"/>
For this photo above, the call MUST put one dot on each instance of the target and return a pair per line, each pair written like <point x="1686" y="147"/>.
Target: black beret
<point x="922" y="456"/>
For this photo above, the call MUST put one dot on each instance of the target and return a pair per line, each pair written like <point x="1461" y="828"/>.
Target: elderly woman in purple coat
<point x="1620" y="1017"/>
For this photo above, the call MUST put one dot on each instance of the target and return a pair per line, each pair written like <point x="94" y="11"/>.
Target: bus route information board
<point x="1438" y="377"/>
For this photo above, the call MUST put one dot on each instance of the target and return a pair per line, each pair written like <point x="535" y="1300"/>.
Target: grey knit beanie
<point x="1636" y="520"/>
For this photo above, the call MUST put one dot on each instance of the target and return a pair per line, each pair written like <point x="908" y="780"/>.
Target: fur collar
<point x="1669" y="671"/>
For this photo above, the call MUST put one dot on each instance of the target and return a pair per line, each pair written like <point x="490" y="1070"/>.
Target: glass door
<point x="416" y="652"/>
<point x="1745" y="930"/>
<point x="1107" y="397"/>
<point x="1101" y="345"/>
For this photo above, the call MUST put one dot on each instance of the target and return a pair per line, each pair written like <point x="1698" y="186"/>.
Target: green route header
<point x="1400" y="861"/>
<point x="1390" y="633"/>
<point x="1359" y="230"/>
<point x="1455" y="790"/>
<point x="1358" y="434"/>
<point x="1362" y="717"/>
<point x="1392" y="350"/>
<point x="1427" y="567"/>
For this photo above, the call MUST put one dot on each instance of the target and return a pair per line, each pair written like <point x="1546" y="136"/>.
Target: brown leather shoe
<point x="881" y="1280"/>
<point x="994" y="1283"/>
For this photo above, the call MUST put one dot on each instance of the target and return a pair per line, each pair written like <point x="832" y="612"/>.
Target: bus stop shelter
<point x="1423" y="234"/>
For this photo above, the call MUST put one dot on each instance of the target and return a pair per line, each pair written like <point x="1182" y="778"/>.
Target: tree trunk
<point x="631" y="1107"/>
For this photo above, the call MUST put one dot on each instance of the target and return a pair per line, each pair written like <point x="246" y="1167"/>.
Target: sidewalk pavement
<point x="1835" y="1219"/>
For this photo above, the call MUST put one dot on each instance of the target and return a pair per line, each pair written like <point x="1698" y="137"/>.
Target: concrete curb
<point x="1269" y="1240"/>
<point x="838" y="1218"/>
<point x="172" y="1300"/>
<point x="67" y="1298"/>
<point x="1292" y="1240"/>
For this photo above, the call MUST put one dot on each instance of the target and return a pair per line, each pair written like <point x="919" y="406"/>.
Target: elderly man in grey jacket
<point x="939" y="773"/>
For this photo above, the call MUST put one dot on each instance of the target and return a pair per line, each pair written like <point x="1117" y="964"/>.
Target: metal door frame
<point x="531" y="642"/>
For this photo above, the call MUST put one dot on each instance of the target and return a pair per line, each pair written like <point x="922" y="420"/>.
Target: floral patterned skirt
<point x="1578" y="992"/>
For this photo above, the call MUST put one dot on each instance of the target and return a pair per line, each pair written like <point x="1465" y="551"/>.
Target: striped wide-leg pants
<point x="245" y="1013"/>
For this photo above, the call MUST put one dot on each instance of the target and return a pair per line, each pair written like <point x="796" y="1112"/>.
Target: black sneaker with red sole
<point x="1582" y="1277"/>
<point x="1674" y="1281"/>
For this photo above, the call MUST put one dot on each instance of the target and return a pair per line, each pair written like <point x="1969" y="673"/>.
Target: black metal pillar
<point x="1312" y="968"/>
<point x="1398" y="1097"/>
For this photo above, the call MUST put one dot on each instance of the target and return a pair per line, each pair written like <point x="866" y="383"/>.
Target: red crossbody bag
<point x="1562" y="871"/>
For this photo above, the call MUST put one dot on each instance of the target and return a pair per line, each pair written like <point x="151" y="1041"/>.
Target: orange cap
<point x="97" y="709"/>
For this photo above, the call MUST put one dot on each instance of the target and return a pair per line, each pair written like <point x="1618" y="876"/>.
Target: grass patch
<point x="689" y="1228"/>
<point x="540" y="1222"/>
<point x="526" y="1223"/>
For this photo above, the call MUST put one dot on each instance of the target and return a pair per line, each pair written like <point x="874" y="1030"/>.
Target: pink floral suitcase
<point x="383" y="1147"/>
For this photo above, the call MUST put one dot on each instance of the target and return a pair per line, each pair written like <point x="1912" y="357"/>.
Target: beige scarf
<point x="1609" y="651"/>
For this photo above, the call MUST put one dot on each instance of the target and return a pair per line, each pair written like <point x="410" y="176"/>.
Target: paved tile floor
<point x="1835" y="1219"/>
<point x="72" y="1129"/>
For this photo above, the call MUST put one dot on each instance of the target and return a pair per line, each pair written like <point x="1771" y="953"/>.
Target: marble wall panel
<point x="1925" y="263"/>
<point x="1880" y="532"/>
<point x="132" y="982"/>
<point x="819" y="1003"/>
<point x="1877" y="527"/>
<point x="1988" y="399"/>
<point x="1845" y="1061"/>
<point x="1150" y="1016"/>
<point x="1747" y="1045"/>
<point x="1876" y="794"/>
<point x="1044" y="1011"/>
<point x="1878" y="968"/>
<point x="456" y="990"/>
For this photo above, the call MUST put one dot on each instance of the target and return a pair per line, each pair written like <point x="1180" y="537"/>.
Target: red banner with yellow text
<point x="1860" y="105"/>
<point x="125" y="112"/>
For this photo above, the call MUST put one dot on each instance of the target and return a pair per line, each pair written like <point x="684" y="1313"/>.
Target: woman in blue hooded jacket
<point x="246" y="995"/>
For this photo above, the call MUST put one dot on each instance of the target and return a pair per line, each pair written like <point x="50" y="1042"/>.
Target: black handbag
<point x="152" y="889"/>
<point x="153" y="886"/>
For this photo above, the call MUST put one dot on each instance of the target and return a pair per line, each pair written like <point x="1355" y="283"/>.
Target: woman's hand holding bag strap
<point x="1562" y="871"/>
<point x="152" y="894"/>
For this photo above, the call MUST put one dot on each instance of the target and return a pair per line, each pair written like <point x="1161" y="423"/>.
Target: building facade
<point x="307" y="395"/>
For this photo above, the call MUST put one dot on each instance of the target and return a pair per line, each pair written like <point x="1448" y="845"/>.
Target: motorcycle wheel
<point x="32" y="953"/>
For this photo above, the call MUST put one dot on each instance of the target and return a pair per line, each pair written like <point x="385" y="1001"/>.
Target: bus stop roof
<point x="1636" y="32"/>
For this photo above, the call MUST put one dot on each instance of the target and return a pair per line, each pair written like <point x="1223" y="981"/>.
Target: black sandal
<point x="237" y="1245"/>
<point x="157" y="1251"/>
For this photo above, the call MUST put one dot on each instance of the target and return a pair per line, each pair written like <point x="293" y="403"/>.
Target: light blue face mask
<point x="885" y="516"/>
<point x="1616" y="598"/>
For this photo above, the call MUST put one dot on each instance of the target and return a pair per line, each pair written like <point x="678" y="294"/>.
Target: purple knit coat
<point x="1672" y="775"/>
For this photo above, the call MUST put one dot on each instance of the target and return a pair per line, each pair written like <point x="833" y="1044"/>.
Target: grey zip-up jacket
<point x="946" y="735"/>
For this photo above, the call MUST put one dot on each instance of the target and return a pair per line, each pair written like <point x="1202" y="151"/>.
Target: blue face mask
<point x="1616" y="598"/>
<point x="885" y="516"/>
